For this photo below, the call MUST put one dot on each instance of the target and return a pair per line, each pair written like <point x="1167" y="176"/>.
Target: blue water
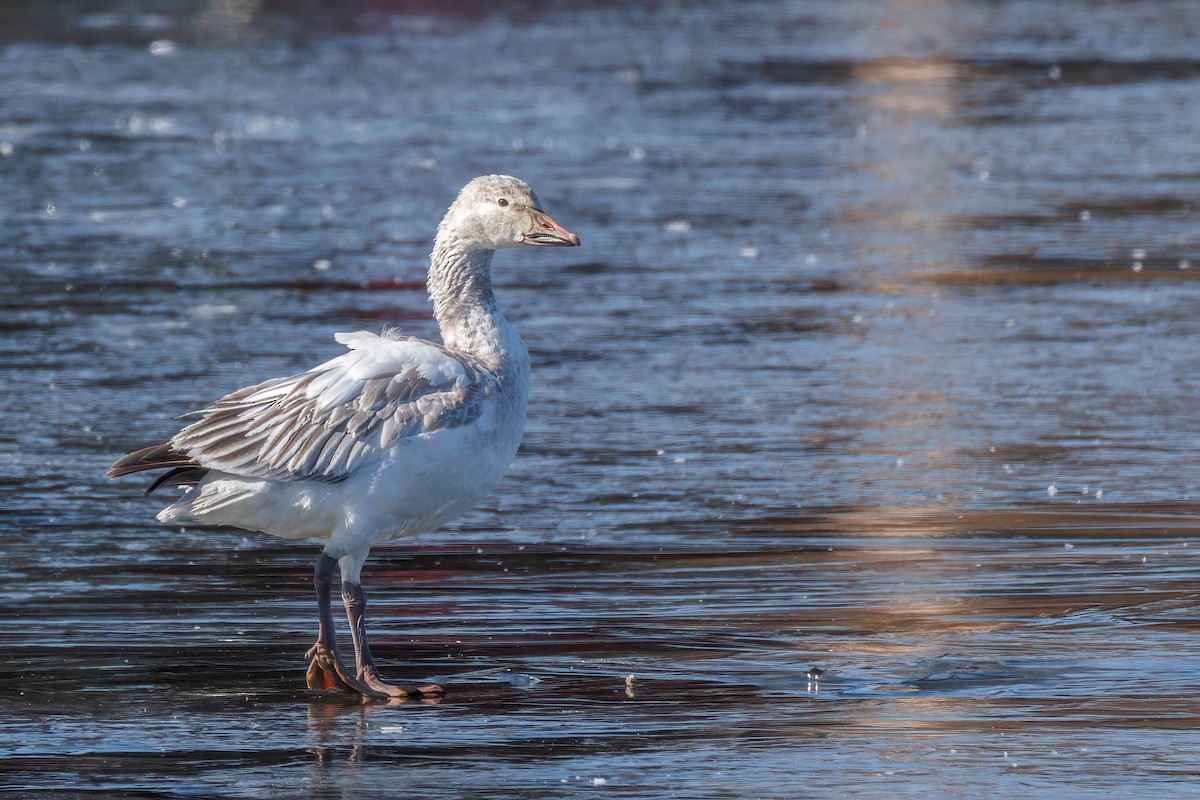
<point x="878" y="358"/>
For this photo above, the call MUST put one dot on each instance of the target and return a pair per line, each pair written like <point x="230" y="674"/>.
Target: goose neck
<point x="460" y="286"/>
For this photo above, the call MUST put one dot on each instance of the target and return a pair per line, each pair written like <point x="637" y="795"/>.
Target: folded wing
<point x="323" y="424"/>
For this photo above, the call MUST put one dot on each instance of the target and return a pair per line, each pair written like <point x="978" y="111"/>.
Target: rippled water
<point x="878" y="359"/>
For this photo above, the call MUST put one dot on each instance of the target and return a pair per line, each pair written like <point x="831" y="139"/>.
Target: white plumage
<point x="395" y="436"/>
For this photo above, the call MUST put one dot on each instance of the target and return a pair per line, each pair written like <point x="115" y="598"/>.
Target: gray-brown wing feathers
<point x="322" y="424"/>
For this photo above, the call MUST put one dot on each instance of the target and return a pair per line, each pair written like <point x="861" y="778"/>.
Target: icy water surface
<point x="863" y="434"/>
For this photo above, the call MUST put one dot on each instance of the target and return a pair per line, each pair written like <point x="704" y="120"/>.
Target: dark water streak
<point x="879" y="359"/>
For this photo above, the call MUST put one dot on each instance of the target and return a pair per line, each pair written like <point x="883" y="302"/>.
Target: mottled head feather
<point x="492" y="212"/>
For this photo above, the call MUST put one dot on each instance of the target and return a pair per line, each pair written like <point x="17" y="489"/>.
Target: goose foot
<point x="356" y="606"/>
<point x="326" y="671"/>
<point x="370" y="677"/>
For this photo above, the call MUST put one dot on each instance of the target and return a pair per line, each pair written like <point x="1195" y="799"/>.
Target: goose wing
<point x="323" y="424"/>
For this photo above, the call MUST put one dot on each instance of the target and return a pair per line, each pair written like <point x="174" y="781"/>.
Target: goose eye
<point x="502" y="202"/>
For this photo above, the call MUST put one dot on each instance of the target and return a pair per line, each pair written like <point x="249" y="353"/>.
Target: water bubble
<point x="6" y="149"/>
<point x="1137" y="266"/>
<point x="162" y="47"/>
<point x="140" y="123"/>
<point x="179" y="202"/>
<point x="1052" y="490"/>
<point x="262" y="125"/>
<point x="322" y="265"/>
<point x="1138" y="254"/>
<point x="1085" y="215"/>
<point x="1054" y="73"/>
<point x="637" y="153"/>
<point x="1185" y="264"/>
<point x="749" y="252"/>
<point x="678" y="226"/>
<point x="51" y="210"/>
<point x="211" y="310"/>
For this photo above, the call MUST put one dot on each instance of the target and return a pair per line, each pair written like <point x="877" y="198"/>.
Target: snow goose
<point x="396" y="436"/>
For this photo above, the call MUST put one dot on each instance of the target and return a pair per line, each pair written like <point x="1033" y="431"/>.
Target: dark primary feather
<point x="180" y="476"/>
<point x="183" y="470"/>
<point x="156" y="456"/>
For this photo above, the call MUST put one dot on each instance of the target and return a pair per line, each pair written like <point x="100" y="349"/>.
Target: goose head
<point x="494" y="212"/>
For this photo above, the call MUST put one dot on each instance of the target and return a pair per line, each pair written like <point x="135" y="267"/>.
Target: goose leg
<point x="355" y="600"/>
<point x="325" y="668"/>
